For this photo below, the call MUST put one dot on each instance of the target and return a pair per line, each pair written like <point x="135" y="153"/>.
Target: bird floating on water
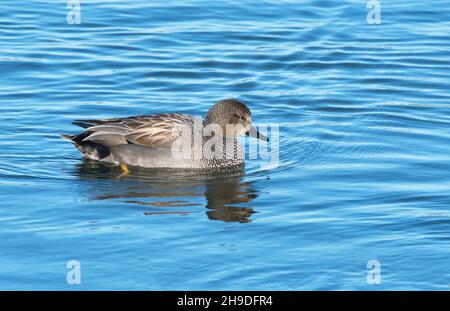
<point x="165" y="140"/>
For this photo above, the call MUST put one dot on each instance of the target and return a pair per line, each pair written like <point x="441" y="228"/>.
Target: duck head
<point x="234" y="117"/>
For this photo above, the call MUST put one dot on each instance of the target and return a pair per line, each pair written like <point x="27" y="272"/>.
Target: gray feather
<point x="107" y="139"/>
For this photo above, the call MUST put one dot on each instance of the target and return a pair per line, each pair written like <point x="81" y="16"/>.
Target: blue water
<point x="364" y="171"/>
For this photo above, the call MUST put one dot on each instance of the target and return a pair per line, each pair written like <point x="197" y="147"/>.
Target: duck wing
<point x="157" y="131"/>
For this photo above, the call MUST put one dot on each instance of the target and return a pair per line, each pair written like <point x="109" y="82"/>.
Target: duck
<point x="169" y="140"/>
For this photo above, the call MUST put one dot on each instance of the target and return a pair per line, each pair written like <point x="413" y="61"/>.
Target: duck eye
<point x="242" y="118"/>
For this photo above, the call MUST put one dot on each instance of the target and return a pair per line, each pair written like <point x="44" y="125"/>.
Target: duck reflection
<point x="164" y="191"/>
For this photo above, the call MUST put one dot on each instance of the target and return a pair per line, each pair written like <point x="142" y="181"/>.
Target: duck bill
<point x="253" y="132"/>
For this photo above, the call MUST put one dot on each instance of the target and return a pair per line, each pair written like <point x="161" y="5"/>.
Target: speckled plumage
<point x="147" y="140"/>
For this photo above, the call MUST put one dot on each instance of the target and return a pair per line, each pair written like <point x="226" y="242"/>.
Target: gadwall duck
<point x="168" y="140"/>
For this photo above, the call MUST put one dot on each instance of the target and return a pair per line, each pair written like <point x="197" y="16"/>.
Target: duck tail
<point x="70" y="138"/>
<point x="89" y="149"/>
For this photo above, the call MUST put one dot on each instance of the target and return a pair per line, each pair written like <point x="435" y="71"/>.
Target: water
<point x="364" y="164"/>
